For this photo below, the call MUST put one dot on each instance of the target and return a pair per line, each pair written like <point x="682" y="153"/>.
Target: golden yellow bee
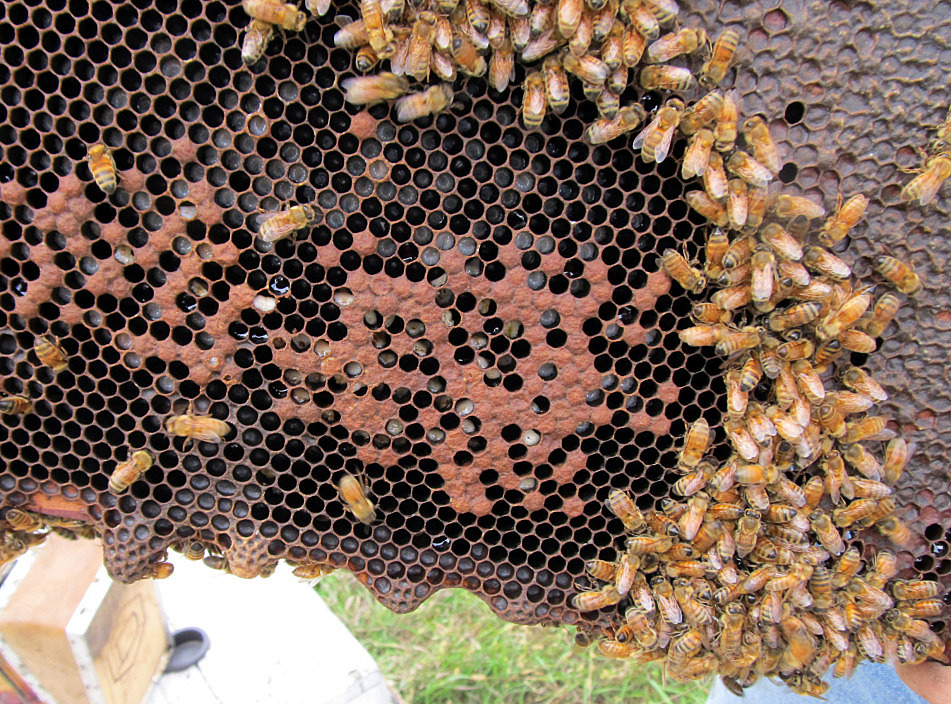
<point x="697" y="155"/>
<point x="883" y="312"/>
<point x="420" y="46"/>
<point x="899" y="274"/>
<point x="596" y="599"/>
<point x="795" y="316"/>
<point x="726" y="127"/>
<point x="675" y="78"/>
<point x="896" y="457"/>
<point x="620" y="504"/>
<point x="160" y="570"/>
<point x="925" y="185"/>
<point x="920" y="589"/>
<point x="739" y="252"/>
<point x="865" y="428"/>
<point x="129" y="471"/>
<point x="923" y="608"/>
<point x="787" y="207"/>
<point x="690" y="522"/>
<point x="737" y="399"/>
<point x="533" y="100"/>
<point x="284" y="15"/>
<point x="103" y="168"/>
<point x="354" y="494"/>
<point x="763" y="265"/>
<point x="366" y="90"/>
<point x="428" y="102"/>
<point x="844" y="219"/>
<point x="286" y="222"/>
<point x="715" y="181"/>
<point x="194" y="550"/>
<point x="765" y="152"/>
<point x="642" y="544"/>
<point x="612" y="47"/>
<point x="365" y="59"/>
<point x="724" y="48"/>
<point x="256" y="38"/>
<point x="608" y="103"/>
<point x="601" y="570"/>
<point x="351" y="35"/>
<point x="194" y="427"/>
<point x="781" y="242"/>
<point x="15" y="405"/>
<point x="642" y="19"/>
<point x="672" y="45"/>
<point x="895" y="530"/>
<point x="319" y="8"/>
<point x="23" y="520"/>
<point x="702" y="113"/>
<point x="744" y="339"/>
<point x="680" y="270"/>
<point x="856" y="341"/>
<point x="827" y="533"/>
<point x="580" y="41"/>
<point x="502" y="66"/>
<point x="706" y="206"/>
<point x="477" y="14"/>
<point x="49" y="353"/>
<point x="703" y="335"/>
<point x="737" y="204"/>
<point x="379" y="35"/>
<point x="664" y="11"/>
<point x="604" y="130"/>
<point x="747" y="528"/>
<point x="823" y="262"/>
<point x="312" y="571"/>
<point x="588" y="68"/>
<point x="847" y="315"/>
<point x="748" y="169"/>
<point x="732" y="297"/>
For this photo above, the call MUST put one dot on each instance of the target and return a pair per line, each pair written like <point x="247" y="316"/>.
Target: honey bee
<point x="420" y="46"/>
<point x="680" y="270"/>
<point x="795" y="316"/>
<point x="732" y="297"/>
<point x="521" y="32"/>
<point x="823" y="262"/>
<point x="287" y="222"/>
<point x="15" y="405"/>
<point x="160" y="570"/>
<point x="896" y="456"/>
<point x="365" y="59"/>
<point x="600" y="569"/>
<point x="781" y="242"/>
<point x="899" y="274"/>
<point x="748" y="169"/>
<point x="310" y="572"/>
<point x="194" y="427"/>
<point x="533" y="100"/>
<point x="697" y="155"/>
<point x="884" y="310"/>
<point x="763" y="264"/>
<point x="831" y="419"/>
<point x="284" y="15"/>
<point x="580" y="41"/>
<point x="49" y="353"/>
<point x="568" y="16"/>
<point x="726" y="127"/>
<point x="588" y="68"/>
<point x="620" y="504"/>
<point x="429" y="102"/>
<point x="715" y="249"/>
<point x="787" y="207"/>
<point x="826" y="532"/>
<point x="194" y="550"/>
<point x="604" y="130"/>
<point x="923" y="608"/>
<point x="696" y="442"/>
<point x="737" y="400"/>
<point x="129" y="471"/>
<point x="895" y="530"/>
<point x="605" y="16"/>
<point x="925" y="185"/>
<point x="556" y="88"/>
<point x="256" y="38"/>
<point x="673" y="78"/>
<point x="691" y="483"/>
<point x="715" y="181"/>
<point x="354" y="494"/>
<point x="747" y="528"/>
<point x="844" y="219"/>
<point x="608" y="103"/>
<point x="612" y="47"/>
<point x="352" y="34"/>
<point x="366" y="90"/>
<point x="857" y="341"/>
<point x="469" y="60"/>
<point x="701" y="113"/>
<point x="847" y="315"/>
<point x="744" y="339"/>
<point x="23" y="521"/>
<point x="710" y="209"/>
<point x="443" y="66"/>
<point x="855" y="511"/>
<point x="477" y="13"/>
<point x="760" y="427"/>
<point x="513" y="8"/>
<point x="731" y="636"/>
<point x="672" y="45"/>
<point x="904" y="590"/>
<point x="737" y="203"/>
<point x="724" y="48"/>
<point x="865" y="428"/>
<point x="666" y="602"/>
<point x="596" y="599"/>
<point x="690" y="522"/>
<point x="869" y="488"/>
<point x="103" y="168"/>
<point x="642" y="544"/>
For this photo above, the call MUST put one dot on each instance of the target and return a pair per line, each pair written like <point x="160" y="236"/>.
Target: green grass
<point x="453" y="649"/>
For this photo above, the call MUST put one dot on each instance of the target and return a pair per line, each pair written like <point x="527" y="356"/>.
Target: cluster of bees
<point x="598" y="41"/>
<point x="749" y="574"/>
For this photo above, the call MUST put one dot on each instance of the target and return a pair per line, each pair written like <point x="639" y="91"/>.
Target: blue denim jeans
<point x="872" y="683"/>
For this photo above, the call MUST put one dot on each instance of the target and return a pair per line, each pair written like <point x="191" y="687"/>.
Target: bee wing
<point x="737" y="99"/>
<point x="924" y="186"/>
<point x="662" y="149"/>
<point x="278" y="229"/>
<point x="644" y="133"/>
<point x="342" y="20"/>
